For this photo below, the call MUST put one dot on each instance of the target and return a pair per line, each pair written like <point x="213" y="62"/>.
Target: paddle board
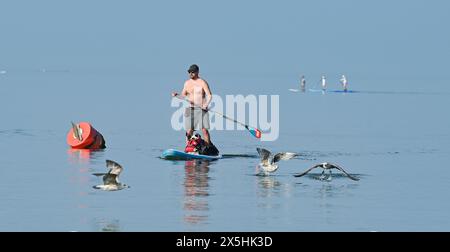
<point x="172" y="154"/>
<point x="293" y="90"/>
<point x="342" y="91"/>
<point x="316" y="90"/>
<point x="332" y="91"/>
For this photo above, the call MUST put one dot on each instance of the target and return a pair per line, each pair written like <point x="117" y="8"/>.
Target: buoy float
<point x="88" y="138"/>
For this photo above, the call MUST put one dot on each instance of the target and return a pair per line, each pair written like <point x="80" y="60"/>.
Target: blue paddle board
<point x="342" y="91"/>
<point x="333" y="91"/>
<point x="172" y="154"/>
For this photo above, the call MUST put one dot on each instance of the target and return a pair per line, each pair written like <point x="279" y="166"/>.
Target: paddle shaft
<point x="224" y="116"/>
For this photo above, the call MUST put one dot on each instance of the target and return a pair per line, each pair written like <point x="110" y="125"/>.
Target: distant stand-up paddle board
<point x="316" y="90"/>
<point x="333" y="91"/>
<point x="344" y="91"/>
<point x="293" y="90"/>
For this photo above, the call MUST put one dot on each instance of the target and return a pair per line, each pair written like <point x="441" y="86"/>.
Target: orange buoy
<point x="85" y="137"/>
<point x="99" y="142"/>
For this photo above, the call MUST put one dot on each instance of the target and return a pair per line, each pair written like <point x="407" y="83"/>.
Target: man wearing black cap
<point x="199" y="95"/>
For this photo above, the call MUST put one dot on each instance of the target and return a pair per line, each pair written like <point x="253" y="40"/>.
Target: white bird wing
<point x="264" y="154"/>
<point x="114" y="167"/>
<point x="305" y="172"/>
<point x="283" y="156"/>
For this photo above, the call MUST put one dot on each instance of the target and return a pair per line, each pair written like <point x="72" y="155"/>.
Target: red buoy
<point x="87" y="138"/>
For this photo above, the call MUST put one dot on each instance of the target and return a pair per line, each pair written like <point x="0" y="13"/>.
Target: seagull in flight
<point x="329" y="167"/>
<point x="268" y="160"/>
<point x="111" y="179"/>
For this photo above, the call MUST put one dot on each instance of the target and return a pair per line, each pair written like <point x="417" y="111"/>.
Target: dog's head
<point x="195" y="136"/>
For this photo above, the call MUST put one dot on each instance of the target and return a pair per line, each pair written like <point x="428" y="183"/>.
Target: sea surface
<point x="394" y="138"/>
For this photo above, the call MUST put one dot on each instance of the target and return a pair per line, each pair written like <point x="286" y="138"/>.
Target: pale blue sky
<point x="390" y="39"/>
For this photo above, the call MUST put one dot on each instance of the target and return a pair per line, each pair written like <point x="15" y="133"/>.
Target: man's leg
<point x="189" y="133"/>
<point x="205" y="127"/>
<point x="189" y="123"/>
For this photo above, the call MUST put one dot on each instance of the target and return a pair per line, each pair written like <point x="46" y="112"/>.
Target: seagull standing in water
<point x="268" y="161"/>
<point x="77" y="132"/>
<point x="329" y="167"/>
<point x="111" y="179"/>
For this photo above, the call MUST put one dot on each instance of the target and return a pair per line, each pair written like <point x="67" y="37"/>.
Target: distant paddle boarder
<point x="303" y="84"/>
<point x="324" y="83"/>
<point x="197" y="92"/>
<point x="344" y="83"/>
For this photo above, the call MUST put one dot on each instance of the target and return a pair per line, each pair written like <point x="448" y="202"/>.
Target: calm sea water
<point x="395" y="139"/>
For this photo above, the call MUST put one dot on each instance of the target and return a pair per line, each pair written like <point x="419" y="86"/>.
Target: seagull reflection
<point x="268" y="186"/>
<point x="268" y="182"/>
<point x="103" y="225"/>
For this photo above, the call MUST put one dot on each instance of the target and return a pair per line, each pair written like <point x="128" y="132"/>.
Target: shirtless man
<point x="303" y="84"/>
<point x="199" y="95"/>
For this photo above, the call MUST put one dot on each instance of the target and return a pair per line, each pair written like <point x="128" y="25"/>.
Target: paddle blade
<point x="255" y="132"/>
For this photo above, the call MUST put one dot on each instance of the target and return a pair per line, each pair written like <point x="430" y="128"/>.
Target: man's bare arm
<point x="183" y="93"/>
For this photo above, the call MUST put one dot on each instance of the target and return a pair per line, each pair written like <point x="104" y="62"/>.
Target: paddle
<point x="254" y="131"/>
